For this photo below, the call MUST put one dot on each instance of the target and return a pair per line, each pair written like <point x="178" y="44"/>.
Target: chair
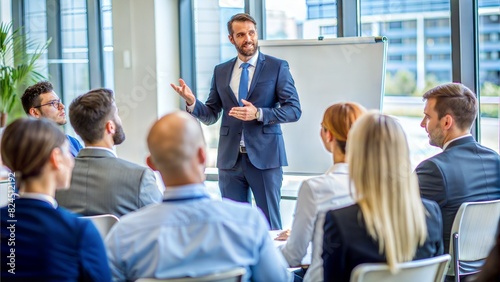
<point x="103" y="223"/>
<point x="424" y="270"/>
<point x="472" y="236"/>
<point x="233" y="275"/>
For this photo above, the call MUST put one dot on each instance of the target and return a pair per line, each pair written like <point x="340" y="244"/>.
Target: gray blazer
<point x="104" y="184"/>
<point x="465" y="172"/>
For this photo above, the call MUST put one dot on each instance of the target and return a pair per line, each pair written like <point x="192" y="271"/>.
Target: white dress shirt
<point x="317" y="195"/>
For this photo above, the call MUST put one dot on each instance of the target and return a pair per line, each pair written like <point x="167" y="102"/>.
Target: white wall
<point x="146" y="57"/>
<point x="5" y="10"/>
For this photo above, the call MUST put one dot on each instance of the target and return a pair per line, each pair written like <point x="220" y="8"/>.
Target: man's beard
<point x="436" y="137"/>
<point x="119" y="135"/>
<point x="248" y="53"/>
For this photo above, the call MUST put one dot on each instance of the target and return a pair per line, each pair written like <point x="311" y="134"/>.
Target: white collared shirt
<point x="102" y="148"/>
<point x="235" y="77"/>
<point x="460" y="137"/>
<point x="41" y="197"/>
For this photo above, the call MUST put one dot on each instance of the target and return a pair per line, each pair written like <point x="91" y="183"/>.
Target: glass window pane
<point x="212" y="47"/>
<point x="489" y="71"/>
<point x="107" y="41"/>
<point x="68" y="66"/>
<point x="36" y="29"/>
<point x="300" y="19"/>
<point x="418" y="58"/>
<point x="74" y="49"/>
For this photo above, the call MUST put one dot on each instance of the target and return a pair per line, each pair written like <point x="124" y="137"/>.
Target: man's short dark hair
<point x="31" y="96"/>
<point x="89" y="112"/>
<point x="456" y="100"/>
<point x="241" y="17"/>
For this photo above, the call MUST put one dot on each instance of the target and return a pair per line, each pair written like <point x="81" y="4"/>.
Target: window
<point x="395" y="40"/>
<point x="300" y="19"/>
<point x="68" y="62"/>
<point x="419" y="57"/>
<point x="489" y="72"/>
<point x="328" y="30"/>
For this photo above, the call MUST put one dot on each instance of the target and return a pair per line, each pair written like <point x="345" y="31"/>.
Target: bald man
<point x="190" y="234"/>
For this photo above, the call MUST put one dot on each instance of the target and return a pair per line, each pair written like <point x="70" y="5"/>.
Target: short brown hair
<point x="31" y="96"/>
<point x="27" y="144"/>
<point x="241" y="17"/>
<point x="339" y="118"/>
<point x="89" y="112"/>
<point x="456" y="100"/>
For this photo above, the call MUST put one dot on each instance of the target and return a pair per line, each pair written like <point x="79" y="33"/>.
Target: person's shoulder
<point x="228" y="63"/>
<point x="271" y="58"/>
<point x="332" y="181"/>
<point x="130" y="165"/>
<point x="431" y="162"/>
<point x="345" y="212"/>
<point x="66" y="214"/>
<point x="239" y="211"/>
<point x="72" y="219"/>
<point x="487" y="150"/>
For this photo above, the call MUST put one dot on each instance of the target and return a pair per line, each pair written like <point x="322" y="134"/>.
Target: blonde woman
<point x="389" y="222"/>
<point x="322" y="193"/>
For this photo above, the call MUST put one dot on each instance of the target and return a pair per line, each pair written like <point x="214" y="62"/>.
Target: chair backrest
<point x="473" y="232"/>
<point x="431" y="270"/>
<point x="103" y="223"/>
<point x="233" y="275"/>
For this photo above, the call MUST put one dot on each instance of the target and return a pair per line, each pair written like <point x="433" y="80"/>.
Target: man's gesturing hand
<point x="246" y="113"/>
<point x="184" y="91"/>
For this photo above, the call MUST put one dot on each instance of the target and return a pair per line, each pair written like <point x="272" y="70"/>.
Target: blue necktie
<point x="243" y="89"/>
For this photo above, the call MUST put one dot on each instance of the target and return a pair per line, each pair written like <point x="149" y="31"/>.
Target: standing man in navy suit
<point x="465" y="171"/>
<point x="251" y="148"/>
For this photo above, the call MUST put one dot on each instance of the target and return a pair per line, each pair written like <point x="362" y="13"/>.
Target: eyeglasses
<point x="55" y="103"/>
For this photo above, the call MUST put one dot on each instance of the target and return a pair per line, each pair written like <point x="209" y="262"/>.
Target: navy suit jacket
<point x="464" y="172"/>
<point x="273" y="90"/>
<point x="50" y="245"/>
<point x="347" y="242"/>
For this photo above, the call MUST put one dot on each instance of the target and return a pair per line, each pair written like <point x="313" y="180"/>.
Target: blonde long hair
<point x="386" y="188"/>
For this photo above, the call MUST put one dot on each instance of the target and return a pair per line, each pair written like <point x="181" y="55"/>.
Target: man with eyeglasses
<point x="40" y="100"/>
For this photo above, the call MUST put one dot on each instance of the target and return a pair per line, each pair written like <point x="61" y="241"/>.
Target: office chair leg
<point x="455" y="257"/>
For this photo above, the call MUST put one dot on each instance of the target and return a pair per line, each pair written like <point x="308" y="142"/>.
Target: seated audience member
<point x="190" y="234"/>
<point x="40" y="100"/>
<point x="322" y="193"/>
<point x="102" y="183"/>
<point x="40" y="240"/>
<point x="465" y="171"/>
<point x="389" y="221"/>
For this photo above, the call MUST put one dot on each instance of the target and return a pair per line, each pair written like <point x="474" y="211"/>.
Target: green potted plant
<point x="18" y="58"/>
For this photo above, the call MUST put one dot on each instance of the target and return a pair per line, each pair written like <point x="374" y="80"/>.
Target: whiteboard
<point x="326" y="72"/>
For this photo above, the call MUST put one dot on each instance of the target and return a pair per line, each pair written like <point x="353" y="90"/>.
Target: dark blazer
<point x="465" y="172"/>
<point x="347" y="243"/>
<point x="273" y="91"/>
<point x="104" y="184"/>
<point x="50" y="245"/>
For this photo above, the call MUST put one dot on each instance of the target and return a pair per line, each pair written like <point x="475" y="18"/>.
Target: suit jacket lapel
<point x="226" y="74"/>
<point x="261" y="62"/>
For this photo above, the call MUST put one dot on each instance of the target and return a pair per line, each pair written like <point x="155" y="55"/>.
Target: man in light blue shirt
<point x="190" y="234"/>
